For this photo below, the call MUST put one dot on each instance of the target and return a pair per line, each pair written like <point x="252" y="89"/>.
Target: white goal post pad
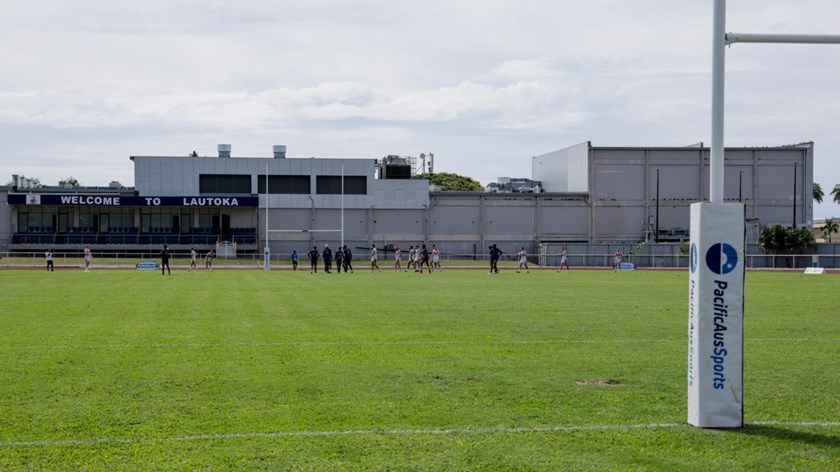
<point x="716" y="316"/>
<point x="815" y="270"/>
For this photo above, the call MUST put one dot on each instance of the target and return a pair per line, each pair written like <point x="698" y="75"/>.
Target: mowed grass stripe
<point x="395" y="343"/>
<point x="429" y="431"/>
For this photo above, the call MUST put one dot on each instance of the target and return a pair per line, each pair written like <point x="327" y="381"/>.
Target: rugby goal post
<point x="267" y="207"/>
<point x="717" y="256"/>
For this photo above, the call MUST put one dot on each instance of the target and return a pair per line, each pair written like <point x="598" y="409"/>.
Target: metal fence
<point x="668" y="255"/>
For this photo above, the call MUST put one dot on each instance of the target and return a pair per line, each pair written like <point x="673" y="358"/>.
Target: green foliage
<point x="830" y="226"/>
<point x="69" y="180"/>
<point x="253" y="370"/>
<point x="453" y="182"/>
<point x="777" y="239"/>
<point x="818" y="193"/>
<point x="835" y="193"/>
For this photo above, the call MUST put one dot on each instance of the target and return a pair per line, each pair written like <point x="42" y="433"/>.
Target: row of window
<point x="61" y="219"/>
<point x="283" y="184"/>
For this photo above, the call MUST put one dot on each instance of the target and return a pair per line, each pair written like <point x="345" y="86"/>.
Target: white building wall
<point x="565" y="170"/>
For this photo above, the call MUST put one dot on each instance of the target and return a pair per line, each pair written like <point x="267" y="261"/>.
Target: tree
<point x="69" y="181"/>
<point x="777" y="239"/>
<point x="835" y="193"/>
<point x="818" y="193"/>
<point x="449" y="182"/>
<point x="829" y="227"/>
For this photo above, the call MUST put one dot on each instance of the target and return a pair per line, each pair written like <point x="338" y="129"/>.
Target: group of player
<point x="166" y="254"/>
<point x="417" y="258"/>
<point x="343" y="259"/>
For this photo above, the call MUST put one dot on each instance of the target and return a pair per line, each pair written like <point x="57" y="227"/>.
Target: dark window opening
<point x="285" y="184"/>
<point x="331" y="185"/>
<point x="224" y="184"/>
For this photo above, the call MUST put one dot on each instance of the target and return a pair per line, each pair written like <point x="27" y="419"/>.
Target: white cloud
<point x="484" y="85"/>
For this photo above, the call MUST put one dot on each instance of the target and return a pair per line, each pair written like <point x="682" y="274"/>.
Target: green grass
<point x="459" y="370"/>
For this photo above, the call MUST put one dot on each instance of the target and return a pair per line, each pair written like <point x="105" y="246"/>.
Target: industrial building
<point x="580" y="194"/>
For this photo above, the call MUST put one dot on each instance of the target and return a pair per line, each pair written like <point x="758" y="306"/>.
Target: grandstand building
<point x="586" y="194"/>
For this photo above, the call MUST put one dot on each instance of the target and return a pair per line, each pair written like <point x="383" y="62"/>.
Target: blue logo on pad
<point x="692" y="258"/>
<point x="721" y="258"/>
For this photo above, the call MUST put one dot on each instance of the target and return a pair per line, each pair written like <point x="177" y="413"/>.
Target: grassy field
<point x="458" y="370"/>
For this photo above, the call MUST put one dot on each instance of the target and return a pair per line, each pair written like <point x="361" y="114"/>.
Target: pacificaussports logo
<point x="692" y="258"/>
<point x="721" y="258"/>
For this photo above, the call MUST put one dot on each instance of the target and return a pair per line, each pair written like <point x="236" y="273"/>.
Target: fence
<point x="639" y="257"/>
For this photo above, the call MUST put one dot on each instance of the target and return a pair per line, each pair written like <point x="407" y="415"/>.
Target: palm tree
<point x="778" y="240"/>
<point x="818" y="193"/>
<point x="835" y="193"/>
<point x="71" y="181"/>
<point x="829" y="227"/>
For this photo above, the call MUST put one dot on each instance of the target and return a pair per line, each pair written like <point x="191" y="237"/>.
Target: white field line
<point x="390" y="343"/>
<point x="386" y="432"/>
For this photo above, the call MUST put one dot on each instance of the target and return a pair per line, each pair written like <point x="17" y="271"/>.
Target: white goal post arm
<point x="782" y="38"/>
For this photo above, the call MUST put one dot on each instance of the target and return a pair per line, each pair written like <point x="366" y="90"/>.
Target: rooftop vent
<point x="279" y="151"/>
<point x="224" y="150"/>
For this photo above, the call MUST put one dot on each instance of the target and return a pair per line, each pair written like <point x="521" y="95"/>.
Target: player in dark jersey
<point x="347" y="260"/>
<point x="424" y="259"/>
<point x="327" y="257"/>
<point x="313" y="256"/>
<point x="164" y="260"/>
<point x="339" y="258"/>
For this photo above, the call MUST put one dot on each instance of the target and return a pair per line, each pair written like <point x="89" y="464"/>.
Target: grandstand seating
<point x="126" y="235"/>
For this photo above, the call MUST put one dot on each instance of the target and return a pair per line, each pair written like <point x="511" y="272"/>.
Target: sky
<point x="484" y="85"/>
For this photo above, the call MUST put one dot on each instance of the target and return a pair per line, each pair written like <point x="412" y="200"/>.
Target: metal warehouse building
<point x="589" y="194"/>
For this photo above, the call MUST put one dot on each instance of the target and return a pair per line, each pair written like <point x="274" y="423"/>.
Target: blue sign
<point x="122" y="200"/>
<point x="147" y="265"/>
<point x="721" y="258"/>
<point x="693" y="258"/>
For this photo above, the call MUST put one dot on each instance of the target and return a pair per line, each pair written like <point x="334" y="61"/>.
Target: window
<point x="285" y="184"/>
<point x="224" y="184"/>
<point x="331" y="185"/>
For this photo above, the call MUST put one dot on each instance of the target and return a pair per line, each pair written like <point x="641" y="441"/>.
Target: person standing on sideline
<point x="49" y="256"/>
<point x="164" y="260"/>
<point x="347" y="260"/>
<point x="564" y="260"/>
<point x="339" y="258"/>
<point x="374" y="258"/>
<point x="88" y="257"/>
<point x="424" y="259"/>
<point x="294" y="259"/>
<point x="193" y="255"/>
<point x="435" y="258"/>
<point x="495" y="254"/>
<point x="208" y="260"/>
<point x="313" y="260"/>
<point x="523" y="260"/>
<point x="397" y="254"/>
<point x="327" y="257"/>
<point x="617" y="259"/>
<point x="491" y="253"/>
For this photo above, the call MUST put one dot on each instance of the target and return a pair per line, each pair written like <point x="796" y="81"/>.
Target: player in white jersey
<point x="88" y="257"/>
<point x="435" y="258"/>
<point x="523" y="260"/>
<point x="193" y="255"/>
<point x="564" y="260"/>
<point x="410" y="262"/>
<point x="397" y="263"/>
<point x="373" y="258"/>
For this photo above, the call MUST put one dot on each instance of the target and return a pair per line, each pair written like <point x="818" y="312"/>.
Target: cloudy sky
<point x="484" y="85"/>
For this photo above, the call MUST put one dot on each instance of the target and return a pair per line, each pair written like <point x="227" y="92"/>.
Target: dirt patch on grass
<point x="599" y="382"/>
